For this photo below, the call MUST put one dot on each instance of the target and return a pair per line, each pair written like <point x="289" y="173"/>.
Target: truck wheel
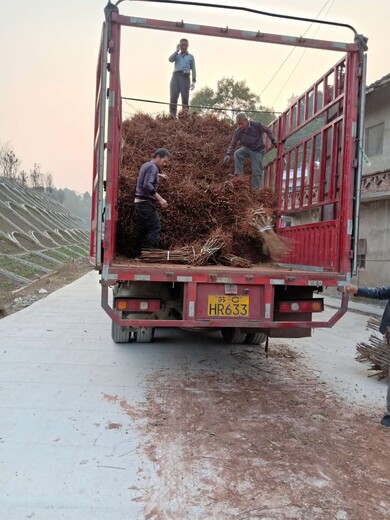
<point x="144" y="335"/>
<point x="255" y="338"/>
<point x="233" y="335"/>
<point x="120" y="334"/>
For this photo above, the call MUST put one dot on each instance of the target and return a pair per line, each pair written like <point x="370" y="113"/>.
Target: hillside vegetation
<point x="38" y="236"/>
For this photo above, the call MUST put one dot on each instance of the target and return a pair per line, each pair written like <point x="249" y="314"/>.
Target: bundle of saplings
<point x="205" y="202"/>
<point x="375" y="350"/>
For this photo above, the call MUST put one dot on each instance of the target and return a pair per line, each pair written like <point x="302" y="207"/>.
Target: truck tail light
<point x="137" y="305"/>
<point x="121" y="305"/>
<point x="316" y="305"/>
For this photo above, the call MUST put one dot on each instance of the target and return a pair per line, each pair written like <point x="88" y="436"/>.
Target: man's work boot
<point x="386" y="421"/>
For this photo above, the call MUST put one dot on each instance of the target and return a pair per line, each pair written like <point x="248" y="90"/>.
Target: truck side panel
<point x="314" y="170"/>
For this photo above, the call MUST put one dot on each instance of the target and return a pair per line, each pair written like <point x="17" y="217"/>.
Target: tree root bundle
<point x="376" y="351"/>
<point x="275" y="246"/>
<point x="203" y="199"/>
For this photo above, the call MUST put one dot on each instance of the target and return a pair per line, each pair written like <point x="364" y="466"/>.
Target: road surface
<point x="185" y="427"/>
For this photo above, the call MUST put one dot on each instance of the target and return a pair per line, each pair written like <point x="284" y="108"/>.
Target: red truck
<point x="315" y="172"/>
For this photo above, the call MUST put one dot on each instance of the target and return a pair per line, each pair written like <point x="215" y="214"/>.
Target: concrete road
<point x="182" y="428"/>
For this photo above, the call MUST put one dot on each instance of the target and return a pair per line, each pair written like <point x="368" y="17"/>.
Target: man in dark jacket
<point x="145" y="200"/>
<point x="250" y="135"/>
<point x="378" y="293"/>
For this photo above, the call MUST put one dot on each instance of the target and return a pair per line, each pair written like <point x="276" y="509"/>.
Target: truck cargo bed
<point x="260" y="269"/>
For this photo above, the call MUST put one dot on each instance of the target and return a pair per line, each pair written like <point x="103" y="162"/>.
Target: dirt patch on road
<point x="257" y="439"/>
<point x="13" y="301"/>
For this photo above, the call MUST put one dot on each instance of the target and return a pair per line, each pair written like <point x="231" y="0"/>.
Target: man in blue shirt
<point x="378" y="293"/>
<point x="250" y="135"/>
<point x="145" y="200"/>
<point x="180" y="82"/>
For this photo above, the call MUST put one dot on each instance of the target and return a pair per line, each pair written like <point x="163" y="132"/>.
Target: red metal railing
<point x="313" y="171"/>
<point x="95" y="217"/>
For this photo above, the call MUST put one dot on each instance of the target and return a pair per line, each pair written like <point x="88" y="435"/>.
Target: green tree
<point x="230" y="97"/>
<point x="205" y="97"/>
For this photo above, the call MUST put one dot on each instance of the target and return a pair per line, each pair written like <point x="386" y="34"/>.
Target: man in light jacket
<point x="181" y="82"/>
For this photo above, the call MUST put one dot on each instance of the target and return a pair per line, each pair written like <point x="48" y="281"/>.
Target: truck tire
<point x="255" y="338"/>
<point x="119" y="334"/>
<point x="144" y="335"/>
<point x="233" y="335"/>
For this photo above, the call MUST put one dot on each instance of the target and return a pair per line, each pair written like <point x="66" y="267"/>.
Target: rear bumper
<point x="264" y="323"/>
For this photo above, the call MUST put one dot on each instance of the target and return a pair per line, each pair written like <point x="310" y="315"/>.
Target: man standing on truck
<point x="145" y="200"/>
<point x="180" y="82"/>
<point x="379" y="293"/>
<point x="250" y="135"/>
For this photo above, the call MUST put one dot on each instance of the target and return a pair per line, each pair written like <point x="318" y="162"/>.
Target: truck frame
<point x="315" y="172"/>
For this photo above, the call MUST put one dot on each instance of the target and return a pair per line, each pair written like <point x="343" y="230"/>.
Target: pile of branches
<point x="376" y="351"/>
<point x="201" y="194"/>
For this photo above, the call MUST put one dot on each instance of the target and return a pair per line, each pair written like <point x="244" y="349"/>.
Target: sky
<point x="50" y="50"/>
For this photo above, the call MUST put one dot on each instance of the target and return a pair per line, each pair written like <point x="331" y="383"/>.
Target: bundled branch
<point x="188" y="255"/>
<point x="233" y="260"/>
<point x="376" y="351"/>
<point x="209" y="252"/>
<point x="273" y="245"/>
<point x="373" y="323"/>
<point x="183" y="255"/>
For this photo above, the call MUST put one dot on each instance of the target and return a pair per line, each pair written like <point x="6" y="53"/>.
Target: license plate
<point x="224" y="306"/>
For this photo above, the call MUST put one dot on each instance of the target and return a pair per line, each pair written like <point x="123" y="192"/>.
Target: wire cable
<point x="299" y="60"/>
<point x="291" y="52"/>
<point x="219" y="109"/>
